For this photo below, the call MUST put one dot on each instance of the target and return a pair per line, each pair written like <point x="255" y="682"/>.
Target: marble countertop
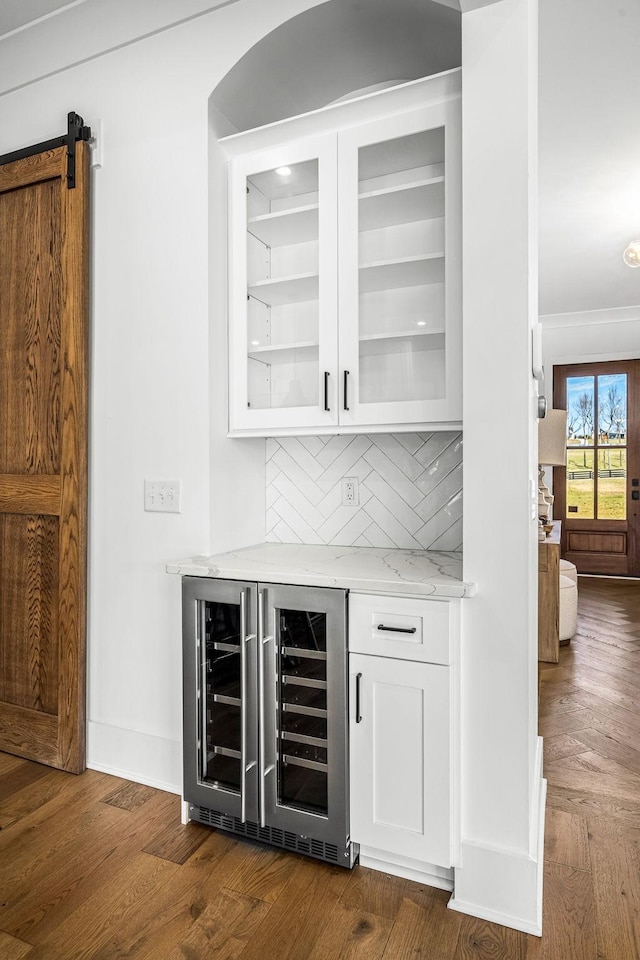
<point x="427" y="573"/>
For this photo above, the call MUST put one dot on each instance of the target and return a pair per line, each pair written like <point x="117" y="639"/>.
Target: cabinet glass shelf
<point x="284" y="227"/>
<point x="404" y="342"/>
<point x="285" y="353"/>
<point x="404" y="272"/>
<point x="280" y="290"/>
<point x="404" y="203"/>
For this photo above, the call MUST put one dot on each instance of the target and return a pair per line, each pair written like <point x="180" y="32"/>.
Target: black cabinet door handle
<point x="381" y="626"/>
<point x="346" y="377"/>
<point x="326" y="390"/>
<point x="358" y="714"/>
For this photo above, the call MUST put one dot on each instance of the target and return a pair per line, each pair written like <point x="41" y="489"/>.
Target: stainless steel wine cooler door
<point x="302" y="710"/>
<point x="220" y="685"/>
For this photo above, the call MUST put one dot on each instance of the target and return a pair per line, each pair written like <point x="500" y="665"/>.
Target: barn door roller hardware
<point x="76" y="130"/>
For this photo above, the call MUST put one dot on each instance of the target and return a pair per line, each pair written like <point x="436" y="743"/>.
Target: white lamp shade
<point x="552" y="438"/>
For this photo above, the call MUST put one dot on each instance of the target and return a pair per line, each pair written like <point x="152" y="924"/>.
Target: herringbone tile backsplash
<point x="410" y="490"/>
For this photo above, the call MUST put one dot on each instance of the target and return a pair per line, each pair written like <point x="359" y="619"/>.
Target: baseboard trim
<point x="503" y="885"/>
<point x="495" y="916"/>
<point x="131" y="755"/>
<point x="500" y="885"/>
<point x="407" y="868"/>
<point x="137" y="778"/>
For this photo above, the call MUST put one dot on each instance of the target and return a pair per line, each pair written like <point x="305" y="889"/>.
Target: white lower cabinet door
<point x="400" y="763"/>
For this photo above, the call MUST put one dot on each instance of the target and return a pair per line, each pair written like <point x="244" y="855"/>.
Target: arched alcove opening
<point x="335" y="49"/>
<point x="332" y="51"/>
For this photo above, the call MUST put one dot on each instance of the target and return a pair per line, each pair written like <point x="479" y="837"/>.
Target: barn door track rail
<point x="76" y="130"/>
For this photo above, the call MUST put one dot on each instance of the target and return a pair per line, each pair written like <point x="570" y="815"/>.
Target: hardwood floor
<point x="96" y="867"/>
<point x="590" y="721"/>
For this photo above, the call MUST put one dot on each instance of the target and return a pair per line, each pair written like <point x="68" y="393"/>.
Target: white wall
<point x="151" y="399"/>
<point x="589" y="337"/>
<point x="153" y="407"/>
<point x="502" y="791"/>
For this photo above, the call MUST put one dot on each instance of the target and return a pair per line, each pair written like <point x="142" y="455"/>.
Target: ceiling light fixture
<point x="283" y="171"/>
<point x="631" y="256"/>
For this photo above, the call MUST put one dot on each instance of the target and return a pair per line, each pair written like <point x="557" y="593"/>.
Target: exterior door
<point x="43" y="457"/>
<point x="597" y="495"/>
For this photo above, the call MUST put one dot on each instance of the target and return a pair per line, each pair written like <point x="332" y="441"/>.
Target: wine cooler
<point x="265" y="713"/>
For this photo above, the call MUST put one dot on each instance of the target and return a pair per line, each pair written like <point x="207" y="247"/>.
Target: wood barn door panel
<point x="29" y="612"/>
<point x="30" y="300"/>
<point x="43" y="457"/>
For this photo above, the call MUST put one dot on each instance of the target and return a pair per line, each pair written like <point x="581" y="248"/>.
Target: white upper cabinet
<point x="345" y="267"/>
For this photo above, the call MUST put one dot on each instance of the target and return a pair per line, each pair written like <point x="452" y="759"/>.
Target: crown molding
<point x="582" y="317"/>
<point x="80" y="32"/>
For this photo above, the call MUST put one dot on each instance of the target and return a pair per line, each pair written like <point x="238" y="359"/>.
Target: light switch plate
<point x="163" y="496"/>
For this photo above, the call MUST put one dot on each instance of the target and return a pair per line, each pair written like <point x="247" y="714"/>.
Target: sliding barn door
<point x="43" y="457"/>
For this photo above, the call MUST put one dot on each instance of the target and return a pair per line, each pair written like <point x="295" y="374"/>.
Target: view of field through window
<point x="597" y="447"/>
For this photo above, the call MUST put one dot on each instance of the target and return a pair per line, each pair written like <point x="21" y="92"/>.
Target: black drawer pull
<point x="381" y="626"/>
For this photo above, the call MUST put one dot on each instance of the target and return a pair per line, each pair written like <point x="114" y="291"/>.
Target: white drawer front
<point x="407" y="629"/>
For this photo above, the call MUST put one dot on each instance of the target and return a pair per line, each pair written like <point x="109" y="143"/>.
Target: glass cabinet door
<point x="399" y="248"/>
<point x="283" y="335"/>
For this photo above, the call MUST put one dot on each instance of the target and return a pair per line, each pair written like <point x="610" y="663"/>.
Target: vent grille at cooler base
<point x="342" y="856"/>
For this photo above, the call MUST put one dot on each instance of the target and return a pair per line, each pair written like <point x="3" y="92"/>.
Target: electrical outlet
<point x="350" y="492"/>
<point x="163" y="496"/>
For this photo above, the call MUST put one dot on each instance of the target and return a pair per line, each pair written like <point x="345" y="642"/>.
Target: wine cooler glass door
<point x="223" y="772"/>
<point x="303" y="668"/>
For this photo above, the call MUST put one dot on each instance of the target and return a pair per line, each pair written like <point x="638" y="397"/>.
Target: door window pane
<point x="580" y="411"/>
<point x="612" y="484"/>
<point x="596" y="442"/>
<point x="580" y="484"/>
<point x="612" y="409"/>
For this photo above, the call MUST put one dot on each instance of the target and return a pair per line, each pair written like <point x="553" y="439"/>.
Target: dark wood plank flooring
<point x="95" y="867"/>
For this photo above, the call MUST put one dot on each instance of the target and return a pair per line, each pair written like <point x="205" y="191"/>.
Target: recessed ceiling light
<point x="283" y="171"/>
<point x="631" y="256"/>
